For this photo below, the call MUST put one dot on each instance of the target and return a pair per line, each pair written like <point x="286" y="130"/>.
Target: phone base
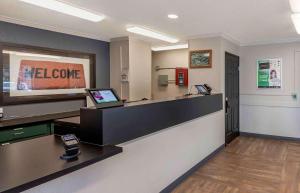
<point x="69" y="157"/>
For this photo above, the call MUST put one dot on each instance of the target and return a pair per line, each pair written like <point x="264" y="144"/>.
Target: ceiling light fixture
<point x="296" y="20"/>
<point x="173" y="47"/>
<point x="66" y="9"/>
<point x="152" y="34"/>
<point x="295" y="5"/>
<point x="30" y="54"/>
<point x="172" y="16"/>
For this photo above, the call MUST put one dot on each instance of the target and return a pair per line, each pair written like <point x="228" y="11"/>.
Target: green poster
<point x="269" y="73"/>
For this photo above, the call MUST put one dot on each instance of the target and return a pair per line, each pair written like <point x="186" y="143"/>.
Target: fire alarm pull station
<point x="181" y="75"/>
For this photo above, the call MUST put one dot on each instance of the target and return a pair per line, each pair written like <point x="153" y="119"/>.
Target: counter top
<point x="161" y="100"/>
<point x="12" y="121"/>
<point x="30" y="163"/>
<point x="144" y="102"/>
<point x="70" y="120"/>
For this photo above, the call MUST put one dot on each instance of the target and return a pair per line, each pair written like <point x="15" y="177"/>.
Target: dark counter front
<point x="67" y="126"/>
<point x="26" y="164"/>
<point x="121" y="124"/>
<point x="14" y="129"/>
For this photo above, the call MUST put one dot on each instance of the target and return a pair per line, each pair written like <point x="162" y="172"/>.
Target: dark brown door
<point x="232" y="93"/>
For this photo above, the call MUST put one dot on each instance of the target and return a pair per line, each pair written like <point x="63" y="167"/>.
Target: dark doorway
<point x="232" y="94"/>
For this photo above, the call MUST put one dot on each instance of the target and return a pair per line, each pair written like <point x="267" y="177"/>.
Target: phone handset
<point x="208" y="88"/>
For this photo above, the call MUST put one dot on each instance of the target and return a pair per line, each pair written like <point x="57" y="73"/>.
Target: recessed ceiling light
<point x="173" y="47"/>
<point x="296" y="21"/>
<point x="151" y="34"/>
<point x="172" y="16"/>
<point x="66" y="9"/>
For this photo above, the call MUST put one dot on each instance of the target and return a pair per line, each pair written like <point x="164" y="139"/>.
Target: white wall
<point x="168" y="59"/>
<point x="139" y="69"/>
<point x="148" y="164"/>
<point x="119" y="62"/>
<point x="270" y="111"/>
<point x="132" y="57"/>
<point x="211" y="76"/>
<point x="119" y="56"/>
<point x="215" y="76"/>
<point x="262" y="111"/>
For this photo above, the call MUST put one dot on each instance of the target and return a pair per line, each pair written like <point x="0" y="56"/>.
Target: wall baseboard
<point x="268" y="136"/>
<point x="182" y="178"/>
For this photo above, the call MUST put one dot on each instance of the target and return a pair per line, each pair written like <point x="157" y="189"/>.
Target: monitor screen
<point x="201" y="89"/>
<point x="103" y="96"/>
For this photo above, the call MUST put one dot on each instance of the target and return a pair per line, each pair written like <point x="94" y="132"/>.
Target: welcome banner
<point x="38" y="75"/>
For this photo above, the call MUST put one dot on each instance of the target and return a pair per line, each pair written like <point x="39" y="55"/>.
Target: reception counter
<point x="159" y="142"/>
<point x="163" y="141"/>
<point x="122" y="124"/>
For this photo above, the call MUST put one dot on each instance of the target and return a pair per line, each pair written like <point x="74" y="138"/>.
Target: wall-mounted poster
<point x="269" y="74"/>
<point x="32" y="74"/>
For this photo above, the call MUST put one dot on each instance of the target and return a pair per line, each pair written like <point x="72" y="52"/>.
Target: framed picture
<point x="201" y="59"/>
<point x="269" y="73"/>
<point x="34" y="74"/>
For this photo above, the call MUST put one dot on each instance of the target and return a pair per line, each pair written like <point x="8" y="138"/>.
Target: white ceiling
<point x="246" y="21"/>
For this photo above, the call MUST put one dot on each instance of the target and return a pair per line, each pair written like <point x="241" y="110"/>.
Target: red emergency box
<point x="181" y="76"/>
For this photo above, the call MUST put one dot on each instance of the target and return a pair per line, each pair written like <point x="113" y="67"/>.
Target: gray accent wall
<point x="19" y="34"/>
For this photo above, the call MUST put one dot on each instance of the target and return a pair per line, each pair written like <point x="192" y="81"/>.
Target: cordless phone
<point x="71" y="145"/>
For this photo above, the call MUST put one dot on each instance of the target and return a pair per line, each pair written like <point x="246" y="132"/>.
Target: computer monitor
<point x="104" y="98"/>
<point x="202" y="89"/>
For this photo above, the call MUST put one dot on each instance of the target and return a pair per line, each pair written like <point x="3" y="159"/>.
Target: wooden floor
<point x="249" y="165"/>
